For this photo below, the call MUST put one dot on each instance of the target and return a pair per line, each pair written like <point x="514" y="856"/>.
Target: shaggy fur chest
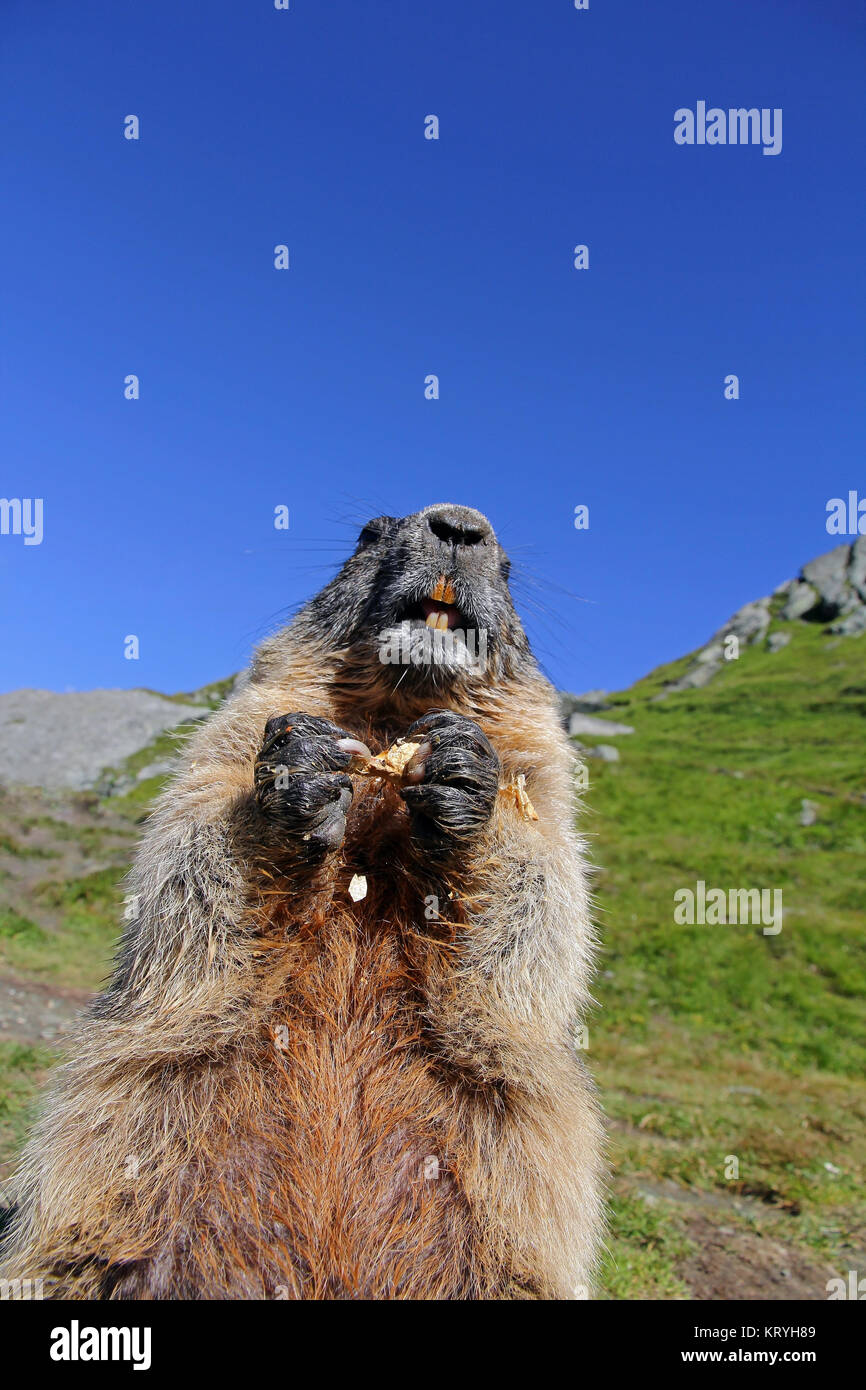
<point x="370" y="1149"/>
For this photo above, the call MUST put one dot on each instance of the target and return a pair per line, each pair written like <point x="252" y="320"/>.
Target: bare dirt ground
<point x="738" y="1265"/>
<point x="49" y="838"/>
<point x="34" y="1013"/>
<point x="731" y="1263"/>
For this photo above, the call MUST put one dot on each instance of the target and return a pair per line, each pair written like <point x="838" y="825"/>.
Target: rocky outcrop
<point x="590" y="702"/>
<point x="596" y="728"/>
<point x="605" y="751"/>
<point x="748" y="625"/>
<point x="830" y="590"/>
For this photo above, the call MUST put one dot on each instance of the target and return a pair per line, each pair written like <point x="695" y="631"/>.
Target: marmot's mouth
<point x="442" y="617"/>
<point x="438" y="609"/>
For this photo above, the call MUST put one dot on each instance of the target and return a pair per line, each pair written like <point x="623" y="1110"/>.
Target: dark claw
<point x="459" y="778"/>
<point x="300" y="780"/>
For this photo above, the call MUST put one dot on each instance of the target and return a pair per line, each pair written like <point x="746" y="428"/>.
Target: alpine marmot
<point x="336" y="1058"/>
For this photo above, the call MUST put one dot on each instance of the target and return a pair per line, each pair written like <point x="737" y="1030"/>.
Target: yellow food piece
<point x="391" y="765"/>
<point x="516" y="791"/>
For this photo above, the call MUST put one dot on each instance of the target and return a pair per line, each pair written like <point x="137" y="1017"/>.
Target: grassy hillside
<point x="710" y="1044"/>
<point x="719" y="1042"/>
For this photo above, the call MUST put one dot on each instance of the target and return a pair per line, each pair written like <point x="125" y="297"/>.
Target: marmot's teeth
<point x="443" y="590"/>
<point x="438" y="621"/>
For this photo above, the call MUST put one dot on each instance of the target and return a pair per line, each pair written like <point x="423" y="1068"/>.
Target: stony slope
<point x="829" y="592"/>
<point x="53" y="740"/>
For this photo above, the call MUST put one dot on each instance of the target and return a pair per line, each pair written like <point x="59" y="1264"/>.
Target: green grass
<point x="710" y="787"/>
<point x="640" y="1260"/>
<point x="88" y="839"/>
<point x="10" y="844"/>
<point x="14" y="927"/>
<point x="164" y="746"/>
<point x="76" y="952"/>
<point x="135" y="803"/>
<point x="22" y="1072"/>
<point x="213" y="694"/>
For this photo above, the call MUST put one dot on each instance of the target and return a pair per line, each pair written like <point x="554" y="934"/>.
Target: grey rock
<point x="587" y="724"/>
<point x="749" y="623"/>
<point x="53" y="740"/>
<point x="160" y="769"/>
<point x="808" y="812"/>
<point x="830" y="589"/>
<point x="199" y="697"/>
<point x="853" y="625"/>
<point x="586" y="703"/>
<point x="698" y="675"/>
<point x="112" y="784"/>
<point x="857" y="567"/>
<point x="605" y="751"/>
<point x="828" y="574"/>
<point x="802" y="598"/>
<point x="711" y="655"/>
<point x="831" y="586"/>
<point x="702" y="673"/>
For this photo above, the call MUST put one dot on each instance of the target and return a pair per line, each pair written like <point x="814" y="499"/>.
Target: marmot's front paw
<point x="455" y="777"/>
<point x="300" y="784"/>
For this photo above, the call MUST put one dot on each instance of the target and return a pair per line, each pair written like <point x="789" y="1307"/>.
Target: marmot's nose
<point x="457" y="525"/>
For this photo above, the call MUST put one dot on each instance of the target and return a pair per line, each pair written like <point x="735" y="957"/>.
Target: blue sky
<point x="305" y="387"/>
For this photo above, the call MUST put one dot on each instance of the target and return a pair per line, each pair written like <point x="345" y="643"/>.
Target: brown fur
<point x="250" y="1109"/>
